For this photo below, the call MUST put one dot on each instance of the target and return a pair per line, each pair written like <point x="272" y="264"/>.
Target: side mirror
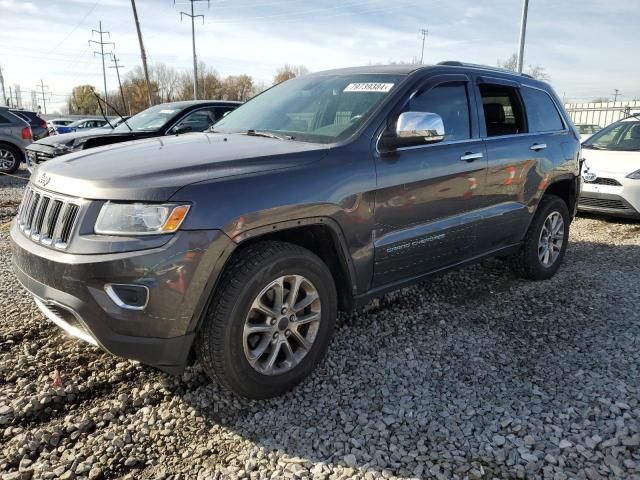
<point x="415" y="128"/>
<point x="182" y="129"/>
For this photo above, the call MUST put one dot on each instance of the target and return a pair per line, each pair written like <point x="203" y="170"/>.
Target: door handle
<point x="538" y="146"/>
<point x="470" y="157"/>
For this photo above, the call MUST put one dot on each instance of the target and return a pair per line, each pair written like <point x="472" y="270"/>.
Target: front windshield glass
<point x="149" y="120"/>
<point x="618" y="136"/>
<point x="314" y="108"/>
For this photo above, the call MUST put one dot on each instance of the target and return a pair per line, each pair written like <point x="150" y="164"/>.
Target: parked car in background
<point x="38" y="124"/>
<point x="15" y="135"/>
<point x="611" y="170"/>
<point x="57" y="122"/>
<point x="164" y="119"/>
<point x="240" y="244"/>
<point x="84" y="124"/>
<point x="587" y="129"/>
<point x="114" y="122"/>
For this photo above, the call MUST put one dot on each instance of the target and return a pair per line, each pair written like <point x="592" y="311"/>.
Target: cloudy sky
<point x="588" y="47"/>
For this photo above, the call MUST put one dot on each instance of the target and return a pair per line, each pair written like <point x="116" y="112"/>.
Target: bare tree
<point x="536" y="71"/>
<point x="287" y="72"/>
<point x="601" y="100"/>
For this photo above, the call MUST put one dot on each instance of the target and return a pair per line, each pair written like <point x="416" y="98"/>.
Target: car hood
<point x="84" y="134"/>
<point x="155" y="168"/>
<point x="611" y="161"/>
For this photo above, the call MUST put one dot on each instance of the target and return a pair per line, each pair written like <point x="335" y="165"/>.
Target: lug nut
<point x="284" y="310"/>
<point x="275" y="335"/>
<point x="292" y="318"/>
<point x="287" y="333"/>
<point x="273" y="321"/>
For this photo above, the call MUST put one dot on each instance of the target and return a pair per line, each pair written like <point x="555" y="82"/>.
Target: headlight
<point x="635" y="175"/>
<point x="140" y="218"/>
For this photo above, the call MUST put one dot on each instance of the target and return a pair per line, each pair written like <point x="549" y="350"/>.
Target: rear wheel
<point x="546" y="241"/>
<point x="270" y="322"/>
<point x="9" y="158"/>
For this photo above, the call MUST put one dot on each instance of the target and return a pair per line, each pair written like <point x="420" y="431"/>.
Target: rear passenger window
<point x="503" y="114"/>
<point x="541" y="110"/>
<point x="450" y="101"/>
<point x="4" y="119"/>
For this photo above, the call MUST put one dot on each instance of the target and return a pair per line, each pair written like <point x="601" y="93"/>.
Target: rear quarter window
<point x="542" y="111"/>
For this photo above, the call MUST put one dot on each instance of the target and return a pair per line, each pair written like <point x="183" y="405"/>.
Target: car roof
<point x="188" y="103"/>
<point x="409" y="68"/>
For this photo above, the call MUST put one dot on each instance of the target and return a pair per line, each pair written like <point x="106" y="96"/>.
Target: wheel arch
<point x="567" y="187"/>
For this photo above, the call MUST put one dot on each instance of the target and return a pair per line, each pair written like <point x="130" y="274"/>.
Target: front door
<point x="427" y="195"/>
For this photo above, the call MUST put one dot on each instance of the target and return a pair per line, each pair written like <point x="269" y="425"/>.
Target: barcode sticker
<point x="369" y="87"/>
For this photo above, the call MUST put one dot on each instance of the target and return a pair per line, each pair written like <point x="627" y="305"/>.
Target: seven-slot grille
<point x="46" y="218"/>
<point x="605" y="181"/>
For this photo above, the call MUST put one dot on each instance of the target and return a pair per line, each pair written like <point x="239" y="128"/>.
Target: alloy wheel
<point x="282" y="325"/>
<point x="7" y="159"/>
<point x="551" y="239"/>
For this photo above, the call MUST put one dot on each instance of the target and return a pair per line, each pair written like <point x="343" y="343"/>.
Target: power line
<point x="424" y="33"/>
<point x="115" y="61"/>
<point x="102" y="43"/>
<point x="192" y="16"/>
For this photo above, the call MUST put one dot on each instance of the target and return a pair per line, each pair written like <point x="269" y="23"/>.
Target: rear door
<point x="513" y="169"/>
<point x="428" y="195"/>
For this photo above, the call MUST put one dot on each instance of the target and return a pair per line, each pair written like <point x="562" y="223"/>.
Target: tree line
<point x="171" y="85"/>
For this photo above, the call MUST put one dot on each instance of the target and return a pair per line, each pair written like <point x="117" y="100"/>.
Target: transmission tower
<point x="102" y="43"/>
<point x="192" y="16"/>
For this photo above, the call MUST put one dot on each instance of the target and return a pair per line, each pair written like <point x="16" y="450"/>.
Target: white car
<point x="611" y="171"/>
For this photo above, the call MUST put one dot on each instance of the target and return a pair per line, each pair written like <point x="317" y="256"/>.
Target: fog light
<point x="130" y="297"/>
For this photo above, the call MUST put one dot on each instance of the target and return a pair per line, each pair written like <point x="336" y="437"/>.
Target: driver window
<point x="451" y="102"/>
<point x="199" y="120"/>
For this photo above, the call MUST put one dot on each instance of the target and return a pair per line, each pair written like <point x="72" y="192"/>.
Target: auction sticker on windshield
<point x="369" y="87"/>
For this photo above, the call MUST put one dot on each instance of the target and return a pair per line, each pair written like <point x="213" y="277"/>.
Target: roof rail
<point x="456" y="63"/>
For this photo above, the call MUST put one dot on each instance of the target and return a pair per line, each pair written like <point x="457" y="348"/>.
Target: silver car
<point x="15" y="135"/>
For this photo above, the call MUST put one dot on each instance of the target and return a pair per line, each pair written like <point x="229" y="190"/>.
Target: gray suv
<point x="15" y="135"/>
<point x="241" y="243"/>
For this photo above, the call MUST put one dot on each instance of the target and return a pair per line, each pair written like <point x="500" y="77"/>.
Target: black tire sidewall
<point x="16" y="156"/>
<point x="535" y="268"/>
<point x="240" y="374"/>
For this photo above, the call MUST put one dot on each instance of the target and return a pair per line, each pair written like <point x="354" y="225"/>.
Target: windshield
<point x="149" y="120"/>
<point x="322" y="109"/>
<point x="618" y="136"/>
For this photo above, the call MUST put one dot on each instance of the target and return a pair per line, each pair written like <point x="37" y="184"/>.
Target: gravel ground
<point x="474" y="375"/>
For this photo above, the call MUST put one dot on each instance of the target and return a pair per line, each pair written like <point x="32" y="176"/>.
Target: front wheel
<point x="546" y="241"/>
<point x="270" y="321"/>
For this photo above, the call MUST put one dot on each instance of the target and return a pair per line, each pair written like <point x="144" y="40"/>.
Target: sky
<point x="588" y="47"/>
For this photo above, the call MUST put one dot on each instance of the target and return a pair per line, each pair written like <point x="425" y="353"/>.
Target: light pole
<point x="523" y="31"/>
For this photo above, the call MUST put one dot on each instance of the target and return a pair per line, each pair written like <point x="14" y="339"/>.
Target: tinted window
<point x="220" y="111"/>
<point x="450" y="101"/>
<point x="541" y="110"/>
<point x="503" y="113"/>
<point x="4" y="119"/>
<point x="199" y="120"/>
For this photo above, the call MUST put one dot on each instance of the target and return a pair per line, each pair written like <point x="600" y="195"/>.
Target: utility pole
<point x="142" y="53"/>
<point x="4" y="93"/>
<point x="101" y="52"/>
<point x="616" y="94"/>
<point x="115" y="61"/>
<point x="193" y="41"/>
<point x="44" y="102"/>
<point x="424" y="33"/>
<point x="523" y="31"/>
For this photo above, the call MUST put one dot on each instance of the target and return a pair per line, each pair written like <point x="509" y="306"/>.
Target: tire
<point x="528" y="263"/>
<point x="223" y="345"/>
<point x="9" y="158"/>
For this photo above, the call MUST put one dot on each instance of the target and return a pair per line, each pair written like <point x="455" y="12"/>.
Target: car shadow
<point x="420" y="381"/>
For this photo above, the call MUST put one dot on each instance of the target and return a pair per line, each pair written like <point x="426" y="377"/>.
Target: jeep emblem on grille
<point x="43" y="179"/>
<point x="589" y="176"/>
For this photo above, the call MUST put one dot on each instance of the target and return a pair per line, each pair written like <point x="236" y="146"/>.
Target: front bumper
<point x="620" y="197"/>
<point x="70" y="290"/>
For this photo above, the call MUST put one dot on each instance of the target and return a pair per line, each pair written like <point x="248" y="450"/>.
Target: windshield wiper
<point x="264" y="133"/>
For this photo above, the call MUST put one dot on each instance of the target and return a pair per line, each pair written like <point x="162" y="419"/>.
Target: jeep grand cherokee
<point x="242" y="243"/>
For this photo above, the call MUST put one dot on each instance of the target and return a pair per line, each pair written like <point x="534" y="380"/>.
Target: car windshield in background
<point x="149" y="120"/>
<point x="314" y="108"/>
<point x="618" y="136"/>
